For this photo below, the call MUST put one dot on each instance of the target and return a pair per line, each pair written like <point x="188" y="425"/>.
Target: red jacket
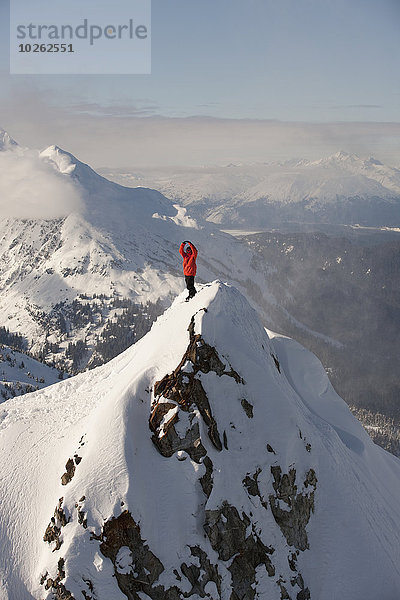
<point x="189" y="259"/>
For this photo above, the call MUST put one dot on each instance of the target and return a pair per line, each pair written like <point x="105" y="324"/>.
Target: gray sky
<point x="231" y="81"/>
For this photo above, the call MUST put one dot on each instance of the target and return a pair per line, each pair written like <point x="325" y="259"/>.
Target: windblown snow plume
<point x="32" y="188"/>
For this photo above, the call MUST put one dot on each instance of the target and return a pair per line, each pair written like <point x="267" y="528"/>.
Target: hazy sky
<point x="231" y="80"/>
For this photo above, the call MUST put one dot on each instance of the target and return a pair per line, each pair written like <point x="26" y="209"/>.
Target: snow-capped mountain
<point x="108" y="244"/>
<point x="343" y="188"/>
<point x="210" y="459"/>
<point x="6" y="142"/>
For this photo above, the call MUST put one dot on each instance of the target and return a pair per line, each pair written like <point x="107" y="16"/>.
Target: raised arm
<point x="194" y="249"/>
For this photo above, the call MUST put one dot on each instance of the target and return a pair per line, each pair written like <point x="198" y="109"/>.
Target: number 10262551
<point x="46" y="48"/>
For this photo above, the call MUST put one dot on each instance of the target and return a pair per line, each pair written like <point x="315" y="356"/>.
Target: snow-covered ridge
<point x="255" y="440"/>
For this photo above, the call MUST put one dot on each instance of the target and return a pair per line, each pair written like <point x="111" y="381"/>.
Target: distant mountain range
<point x="343" y="188"/>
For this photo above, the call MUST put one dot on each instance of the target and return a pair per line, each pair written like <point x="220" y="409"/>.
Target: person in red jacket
<point x="189" y="254"/>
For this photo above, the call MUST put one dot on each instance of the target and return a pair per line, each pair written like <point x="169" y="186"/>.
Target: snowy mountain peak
<point x="355" y="160"/>
<point x="208" y="460"/>
<point x="342" y="158"/>
<point x="67" y="164"/>
<point x="342" y="155"/>
<point x="95" y="189"/>
<point x="352" y="163"/>
<point x="64" y="161"/>
<point x="6" y="141"/>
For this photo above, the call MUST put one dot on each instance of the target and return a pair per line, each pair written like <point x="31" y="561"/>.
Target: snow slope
<point x="342" y="188"/>
<point x="245" y="435"/>
<point x="20" y="373"/>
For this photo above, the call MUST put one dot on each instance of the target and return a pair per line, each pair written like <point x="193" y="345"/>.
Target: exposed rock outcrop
<point x="70" y="469"/>
<point x="69" y="473"/>
<point x="206" y="480"/>
<point x="227" y="532"/>
<point x="293" y="520"/>
<point x="137" y="568"/>
<point x="247" y="407"/>
<point x="251" y="484"/>
<point x="181" y="390"/>
<point x="53" y="530"/>
<point x="55" y="585"/>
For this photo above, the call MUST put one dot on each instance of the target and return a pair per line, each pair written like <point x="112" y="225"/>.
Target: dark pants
<point x="189" y="279"/>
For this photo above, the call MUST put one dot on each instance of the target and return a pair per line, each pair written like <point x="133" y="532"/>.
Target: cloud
<point x="31" y="188"/>
<point x="357" y="106"/>
<point x="119" y="110"/>
<point x="135" y="136"/>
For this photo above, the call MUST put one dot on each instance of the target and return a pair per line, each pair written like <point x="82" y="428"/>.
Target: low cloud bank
<point x="136" y="137"/>
<point x="32" y="188"/>
<point x="155" y="142"/>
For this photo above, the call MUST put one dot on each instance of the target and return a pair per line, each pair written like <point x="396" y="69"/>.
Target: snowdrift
<point x="211" y="459"/>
